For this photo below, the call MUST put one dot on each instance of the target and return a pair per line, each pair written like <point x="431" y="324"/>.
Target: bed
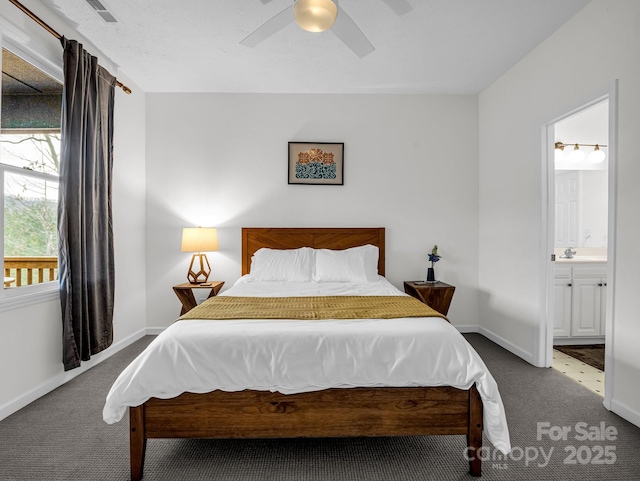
<point x="289" y="405"/>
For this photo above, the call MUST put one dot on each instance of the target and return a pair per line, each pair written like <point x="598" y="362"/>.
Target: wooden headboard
<point x="253" y="238"/>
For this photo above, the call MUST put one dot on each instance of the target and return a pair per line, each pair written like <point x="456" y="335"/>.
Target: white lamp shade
<point x="315" y="15"/>
<point x="576" y="155"/>
<point x="559" y="155"/>
<point x="597" y="156"/>
<point x="199" y="239"/>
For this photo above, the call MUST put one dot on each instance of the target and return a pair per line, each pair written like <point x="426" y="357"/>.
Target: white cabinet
<point x="603" y="305"/>
<point x="580" y="299"/>
<point x="562" y="303"/>
<point x="586" y="306"/>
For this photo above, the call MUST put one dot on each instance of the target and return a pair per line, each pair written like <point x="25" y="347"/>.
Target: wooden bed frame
<point x="328" y="413"/>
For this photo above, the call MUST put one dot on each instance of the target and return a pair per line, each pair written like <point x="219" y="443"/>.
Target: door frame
<point x="545" y="341"/>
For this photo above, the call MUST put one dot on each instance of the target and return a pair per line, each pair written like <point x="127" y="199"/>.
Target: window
<point x="29" y="158"/>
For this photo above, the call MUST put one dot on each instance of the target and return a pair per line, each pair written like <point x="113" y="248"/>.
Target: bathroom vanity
<point x="580" y="300"/>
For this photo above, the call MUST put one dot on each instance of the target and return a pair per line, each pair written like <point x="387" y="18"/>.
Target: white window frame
<point x="15" y="298"/>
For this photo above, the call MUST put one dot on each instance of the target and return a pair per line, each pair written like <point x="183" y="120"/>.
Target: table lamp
<point x="199" y="240"/>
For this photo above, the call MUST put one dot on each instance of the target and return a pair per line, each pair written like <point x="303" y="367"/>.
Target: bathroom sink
<point x="584" y="259"/>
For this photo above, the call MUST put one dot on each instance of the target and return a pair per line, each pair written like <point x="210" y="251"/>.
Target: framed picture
<point x="316" y="163"/>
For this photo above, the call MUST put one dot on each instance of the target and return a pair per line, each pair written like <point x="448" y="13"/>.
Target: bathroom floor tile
<point x="588" y="376"/>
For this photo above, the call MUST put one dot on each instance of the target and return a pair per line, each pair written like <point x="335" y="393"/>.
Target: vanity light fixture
<point x="559" y="151"/>
<point x="597" y="155"/>
<point x="577" y="155"/>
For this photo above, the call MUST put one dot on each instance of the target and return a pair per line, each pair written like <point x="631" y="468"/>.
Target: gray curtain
<point x="85" y="234"/>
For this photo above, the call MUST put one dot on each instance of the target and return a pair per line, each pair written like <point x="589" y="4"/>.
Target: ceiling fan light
<point x="315" y="15"/>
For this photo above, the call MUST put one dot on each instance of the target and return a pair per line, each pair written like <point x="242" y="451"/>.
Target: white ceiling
<point x="440" y="46"/>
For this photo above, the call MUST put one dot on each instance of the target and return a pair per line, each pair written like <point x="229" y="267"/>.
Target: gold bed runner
<point x="310" y="308"/>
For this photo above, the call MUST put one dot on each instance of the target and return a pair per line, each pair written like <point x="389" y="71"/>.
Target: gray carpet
<point x="62" y="437"/>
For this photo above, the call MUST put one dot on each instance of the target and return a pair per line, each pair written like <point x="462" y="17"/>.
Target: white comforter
<point x="291" y="356"/>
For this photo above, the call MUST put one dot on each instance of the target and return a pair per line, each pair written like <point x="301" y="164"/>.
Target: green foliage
<point x="30" y="204"/>
<point x="434" y="256"/>
<point x="30" y="227"/>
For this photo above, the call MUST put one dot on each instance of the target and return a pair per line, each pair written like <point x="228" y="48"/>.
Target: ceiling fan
<point x="318" y="16"/>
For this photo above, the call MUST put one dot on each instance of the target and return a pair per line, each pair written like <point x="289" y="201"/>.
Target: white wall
<point x="129" y="154"/>
<point x="600" y="44"/>
<point x="221" y="161"/>
<point x="31" y="337"/>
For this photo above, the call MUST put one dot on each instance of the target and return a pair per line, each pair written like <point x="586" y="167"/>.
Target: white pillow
<point x="357" y="264"/>
<point x="282" y="264"/>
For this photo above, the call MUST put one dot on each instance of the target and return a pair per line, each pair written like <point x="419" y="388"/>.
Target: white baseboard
<point x="573" y="341"/>
<point x="625" y="412"/>
<point x="154" y="331"/>
<point x="18" y="403"/>
<point x="617" y="407"/>
<point x="466" y="328"/>
<point x="508" y="345"/>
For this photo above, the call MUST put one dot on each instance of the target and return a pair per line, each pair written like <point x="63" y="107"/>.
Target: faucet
<point x="568" y="253"/>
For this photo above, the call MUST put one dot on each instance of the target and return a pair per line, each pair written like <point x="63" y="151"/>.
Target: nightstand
<point x="185" y="293"/>
<point x="436" y="295"/>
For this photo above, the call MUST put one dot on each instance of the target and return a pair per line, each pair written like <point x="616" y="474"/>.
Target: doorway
<point x="579" y="231"/>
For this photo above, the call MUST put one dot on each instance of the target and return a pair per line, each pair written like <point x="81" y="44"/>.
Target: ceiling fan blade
<point x="275" y="24"/>
<point x="347" y="31"/>
<point x="399" y="6"/>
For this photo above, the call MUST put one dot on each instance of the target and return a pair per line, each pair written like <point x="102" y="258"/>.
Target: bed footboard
<point x="352" y="412"/>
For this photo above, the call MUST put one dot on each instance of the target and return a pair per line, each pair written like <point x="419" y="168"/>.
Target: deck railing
<point x="24" y="271"/>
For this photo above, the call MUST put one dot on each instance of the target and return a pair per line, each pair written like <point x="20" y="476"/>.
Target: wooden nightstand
<point x="436" y="295"/>
<point x="185" y="293"/>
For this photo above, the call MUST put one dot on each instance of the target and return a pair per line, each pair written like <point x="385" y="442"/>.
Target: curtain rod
<point x="41" y="22"/>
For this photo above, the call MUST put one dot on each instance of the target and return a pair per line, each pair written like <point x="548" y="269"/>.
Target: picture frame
<point x="316" y="163"/>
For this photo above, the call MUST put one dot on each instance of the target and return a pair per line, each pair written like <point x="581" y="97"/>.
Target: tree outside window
<point x="31" y="203"/>
<point x="29" y="163"/>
